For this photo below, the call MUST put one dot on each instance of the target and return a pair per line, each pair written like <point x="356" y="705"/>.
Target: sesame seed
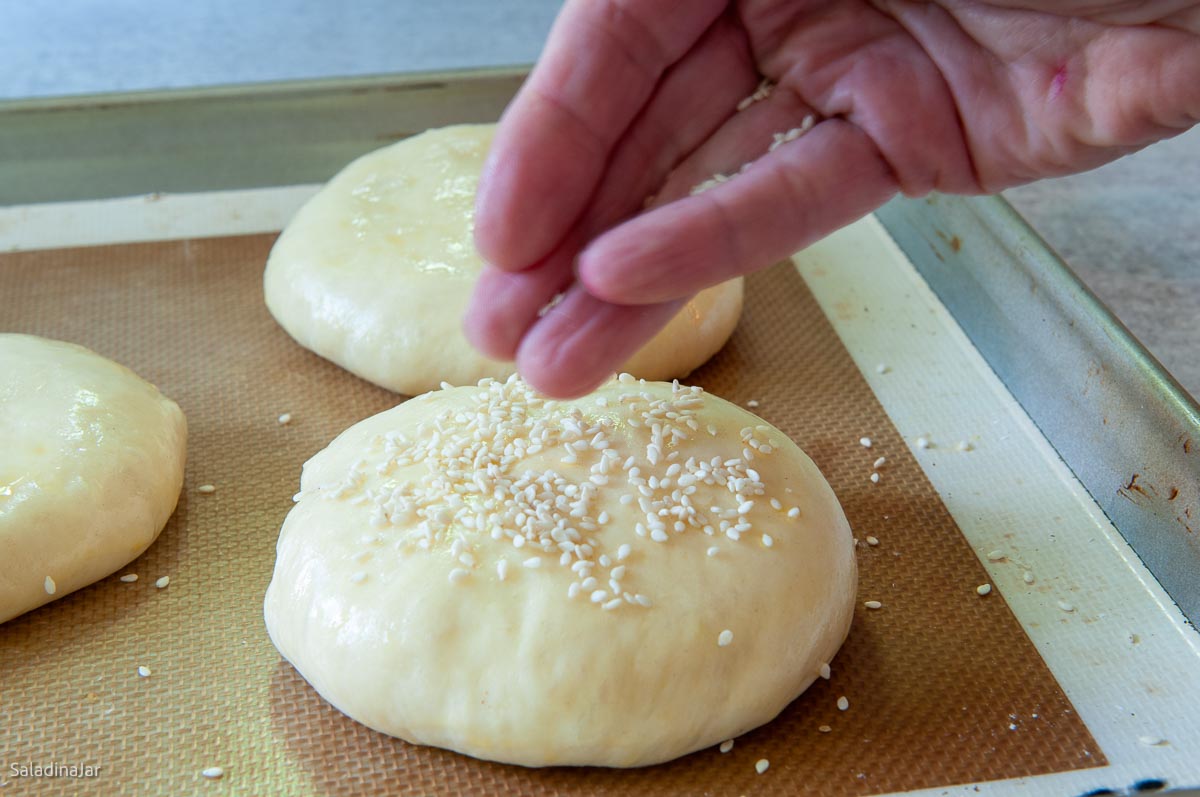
<point x="983" y="589"/>
<point x="1027" y="576"/>
<point x="865" y="442"/>
<point x="1152" y="741"/>
<point x="745" y="507"/>
<point x="573" y="590"/>
<point x="825" y="672"/>
<point x="881" y="369"/>
<point x="843" y="703"/>
<point x="760" y="766"/>
<point x="879" y="463"/>
<point x="794" y="512"/>
<point x="502" y="569"/>
<point x="874" y="478"/>
<point x="213" y="773"/>
<point x="143" y="671"/>
<point x="658" y="535"/>
<point x="713" y="550"/>
<point x="617" y="573"/>
<point x="608" y="606"/>
<point x="752" y="404"/>
<point x="923" y="442"/>
<point x="207" y="489"/>
<point x="532" y="562"/>
<point x="129" y="578"/>
<point x="995" y="556"/>
<point x="725" y="638"/>
<point x="50" y="586"/>
<point x="643" y="600"/>
<point x="873" y="605"/>
<point x="726" y="746"/>
<point x="872" y="541"/>
<point x="457" y="575"/>
<point x="824" y="729"/>
<point x="285" y="419"/>
<point x="623" y="552"/>
<point x="963" y="445"/>
<point x="599" y="596"/>
<point x="767" y="540"/>
<point x="162" y="582"/>
<point x="776" y="505"/>
<point x="1066" y="607"/>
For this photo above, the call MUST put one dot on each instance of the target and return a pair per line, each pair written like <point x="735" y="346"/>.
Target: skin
<point x="587" y="188"/>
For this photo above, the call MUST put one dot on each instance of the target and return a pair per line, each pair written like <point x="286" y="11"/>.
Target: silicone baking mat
<point x="944" y="687"/>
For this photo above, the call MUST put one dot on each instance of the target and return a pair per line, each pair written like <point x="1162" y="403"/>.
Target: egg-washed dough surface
<point x="90" y="470"/>
<point x="376" y="270"/>
<point x="547" y="583"/>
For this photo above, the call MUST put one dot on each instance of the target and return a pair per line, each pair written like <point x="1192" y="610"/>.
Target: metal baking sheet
<point x="1124" y="656"/>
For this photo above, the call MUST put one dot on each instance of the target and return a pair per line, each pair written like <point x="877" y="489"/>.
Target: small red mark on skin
<point x="1058" y="81"/>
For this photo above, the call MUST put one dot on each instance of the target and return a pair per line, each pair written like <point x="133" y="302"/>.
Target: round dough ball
<point x="92" y="467"/>
<point x="605" y="581"/>
<point x="375" y="272"/>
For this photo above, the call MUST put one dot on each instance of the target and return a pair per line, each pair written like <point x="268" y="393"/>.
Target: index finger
<point x="600" y="66"/>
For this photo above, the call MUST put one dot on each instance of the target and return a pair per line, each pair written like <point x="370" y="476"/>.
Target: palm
<point x="956" y="96"/>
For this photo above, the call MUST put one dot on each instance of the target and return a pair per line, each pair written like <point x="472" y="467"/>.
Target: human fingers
<point x="804" y="190"/>
<point x="689" y="105"/>
<point x="602" y="62"/>
<point x="585" y="340"/>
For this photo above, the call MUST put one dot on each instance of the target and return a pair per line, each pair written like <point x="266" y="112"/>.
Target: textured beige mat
<point x="944" y="686"/>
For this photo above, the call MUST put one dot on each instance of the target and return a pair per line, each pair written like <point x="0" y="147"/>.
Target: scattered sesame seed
<point x="843" y="703"/>
<point x="983" y="589"/>
<point x="502" y="570"/>
<point x="760" y="766"/>
<point x="213" y="773"/>
<point x="1152" y="741"/>
<point x="50" y="586"/>
<point x="825" y="671"/>
<point x="767" y="540"/>
<point x="824" y="729"/>
<point x="1066" y="607"/>
<point x="872" y="541"/>
<point x="995" y="556"/>
<point x="881" y="369"/>
<point x="726" y="746"/>
<point x="143" y="671"/>
<point x="162" y="582"/>
<point x="923" y="442"/>
<point x="129" y="578"/>
<point x="794" y="512"/>
<point x="752" y="404"/>
<point x="1027" y="576"/>
<point x="865" y="442"/>
<point x="874" y="478"/>
<point x="879" y="463"/>
<point x="457" y="575"/>
<point x="963" y="445"/>
<point x="285" y="419"/>
<point x="643" y="600"/>
<point x="873" y="605"/>
<point x="532" y="562"/>
<point x="713" y="550"/>
<point x="623" y="552"/>
<point x="207" y="489"/>
<point x="725" y="638"/>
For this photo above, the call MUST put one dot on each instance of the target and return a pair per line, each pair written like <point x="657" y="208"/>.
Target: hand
<point x="634" y="98"/>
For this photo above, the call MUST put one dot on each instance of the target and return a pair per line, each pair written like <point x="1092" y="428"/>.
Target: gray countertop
<point x="1129" y="229"/>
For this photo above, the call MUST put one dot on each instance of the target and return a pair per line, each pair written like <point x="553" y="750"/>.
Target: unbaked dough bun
<point x="375" y="272"/>
<point x="90" y="468"/>
<point x="616" y="580"/>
